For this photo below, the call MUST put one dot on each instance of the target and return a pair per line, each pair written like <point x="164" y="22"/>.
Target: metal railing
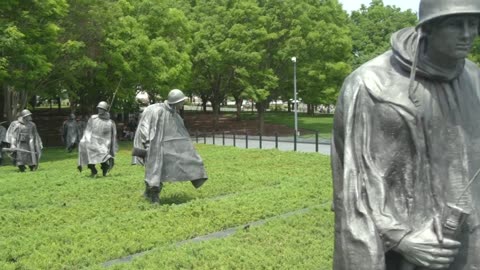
<point x="246" y="140"/>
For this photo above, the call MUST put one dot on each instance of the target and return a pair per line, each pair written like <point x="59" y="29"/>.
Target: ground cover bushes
<point x="57" y="218"/>
<point x="302" y="241"/>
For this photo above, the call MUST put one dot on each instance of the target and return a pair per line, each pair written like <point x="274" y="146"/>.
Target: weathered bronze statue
<point x="25" y="143"/>
<point x="70" y="132"/>
<point x="406" y="149"/>
<point x="99" y="142"/>
<point x="163" y="144"/>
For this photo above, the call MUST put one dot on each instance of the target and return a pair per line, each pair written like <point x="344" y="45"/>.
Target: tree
<point x="372" y="27"/>
<point x="28" y="38"/>
<point x="316" y="32"/>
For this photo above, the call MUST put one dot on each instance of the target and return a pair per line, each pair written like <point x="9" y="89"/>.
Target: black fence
<point x="261" y="141"/>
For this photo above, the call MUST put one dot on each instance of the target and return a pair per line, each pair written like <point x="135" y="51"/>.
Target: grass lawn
<point x="57" y="218"/>
<point x="321" y="123"/>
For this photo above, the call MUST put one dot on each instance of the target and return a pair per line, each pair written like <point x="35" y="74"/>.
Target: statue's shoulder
<point x="472" y="68"/>
<point x="154" y="108"/>
<point x="379" y="78"/>
<point x="377" y="67"/>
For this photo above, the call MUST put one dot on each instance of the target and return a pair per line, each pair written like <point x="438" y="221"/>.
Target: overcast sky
<point x="350" y="5"/>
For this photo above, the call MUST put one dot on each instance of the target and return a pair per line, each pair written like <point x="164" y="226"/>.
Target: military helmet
<point x="432" y="9"/>
<point x="103" y="105"/>
<point x="175" y="96"/>
<point x="25" y="113"/>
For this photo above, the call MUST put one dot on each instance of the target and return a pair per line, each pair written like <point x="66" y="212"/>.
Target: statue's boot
<point x="105" y="168"/>
<point x="22" y="168"/>
<point x="32" y="167"/>
<point x="154" y="194"/>
<point x="93" y="170"/>
<point x="146" y="193"/>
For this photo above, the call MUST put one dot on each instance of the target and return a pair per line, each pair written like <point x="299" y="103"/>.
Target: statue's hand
<point x="423" y="248"/>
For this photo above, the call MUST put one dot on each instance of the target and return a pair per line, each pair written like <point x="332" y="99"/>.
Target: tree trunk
<point x="289" y="106"/>
<point x="261" y="116"/>
<point x="3" y="114"/>
<point x="216" y="111"/>
<point x="309" y="109"/>
<point x="204" y="102"/>
<point x="11" y="100"/>
<point x="238" y="104"/>
<point x="59" y="100"/>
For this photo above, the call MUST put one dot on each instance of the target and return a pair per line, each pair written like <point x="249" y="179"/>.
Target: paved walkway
<point x="283" y="143"/>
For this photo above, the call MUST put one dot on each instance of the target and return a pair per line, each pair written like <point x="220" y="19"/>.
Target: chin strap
<point x="411" y="89"/>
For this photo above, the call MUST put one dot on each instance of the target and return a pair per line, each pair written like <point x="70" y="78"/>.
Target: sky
<point x="350" y="5"/>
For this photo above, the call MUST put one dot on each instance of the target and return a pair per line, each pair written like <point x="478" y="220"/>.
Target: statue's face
<point x="101" y="111"/>
<point x="452" y="37"/>
<point x="179" y="105"/>
<point x="27" y="118"/>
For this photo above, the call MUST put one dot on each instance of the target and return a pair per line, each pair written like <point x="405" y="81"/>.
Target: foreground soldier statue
<point x="406" y="146"/>
<point x="99" y="142"/>
<point x="25" y="143"/>
<point x="163" y="144"/>
<point x="70" y="132"/>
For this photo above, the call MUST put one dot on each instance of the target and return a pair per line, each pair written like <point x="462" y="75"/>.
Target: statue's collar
<point x="403" y="46"/>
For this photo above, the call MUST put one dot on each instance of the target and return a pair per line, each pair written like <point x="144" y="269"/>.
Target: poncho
<point x="71" y="132"/>
<point x="23" y="135"/>
<point x="99" y="141"/>
<point x="170" y="152"/>
<point x="3" y="135"/>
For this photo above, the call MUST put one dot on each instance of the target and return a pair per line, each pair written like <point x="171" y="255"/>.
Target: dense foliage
<point x="57" y="218"/>
<point x="88" y="50"/>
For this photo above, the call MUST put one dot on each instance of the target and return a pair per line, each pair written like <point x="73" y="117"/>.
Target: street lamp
<point x="294" y="60"/>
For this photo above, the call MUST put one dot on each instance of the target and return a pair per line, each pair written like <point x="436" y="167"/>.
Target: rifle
<point x="12" y="150"/>
<point x="453" y="219"/>
<point x="115" y="93"/>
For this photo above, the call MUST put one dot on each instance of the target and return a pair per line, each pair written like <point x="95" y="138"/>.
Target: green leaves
<point x="372" y="27"/>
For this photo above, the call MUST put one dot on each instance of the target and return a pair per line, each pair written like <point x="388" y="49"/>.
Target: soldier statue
<point x="163" y="145"/>
<point x="70" y="132"/>
<point x="406" y="149"/>
<point x="25" y="143"/>
<point x="99" y="142"/>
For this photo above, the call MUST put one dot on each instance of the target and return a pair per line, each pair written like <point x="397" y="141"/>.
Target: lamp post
<point x="295" y="105"/>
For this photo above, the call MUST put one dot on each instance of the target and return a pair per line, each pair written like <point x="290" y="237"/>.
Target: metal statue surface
<point x="3" y="140"/>
<point x="71" y="132"/>
<point x="406" y="149"/>
<point x="163" y="144"/>
<point x="25" y="143"/>
<point x="82" y="125"/>
<point x="99" y="142"/>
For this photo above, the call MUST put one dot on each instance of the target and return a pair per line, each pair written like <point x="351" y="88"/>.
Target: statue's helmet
<point x="103" y="105"/>
<point x="142" y="98"/>
<point x="72" y="116"/>
<point x="433" y="9"/>
<point x="175" y="96"/>
<point x="25" y="113"/>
